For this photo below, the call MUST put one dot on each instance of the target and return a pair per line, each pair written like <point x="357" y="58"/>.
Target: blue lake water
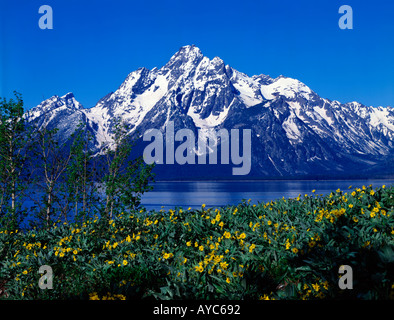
<point x="219" y="193"/>
<point x="185" y="194"/>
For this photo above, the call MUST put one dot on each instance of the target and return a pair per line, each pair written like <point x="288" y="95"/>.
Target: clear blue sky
<point x="95" y="44"/>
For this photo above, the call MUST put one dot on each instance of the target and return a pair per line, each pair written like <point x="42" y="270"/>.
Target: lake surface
<point x="219" y="193"/>
<point x="185" y="194"/>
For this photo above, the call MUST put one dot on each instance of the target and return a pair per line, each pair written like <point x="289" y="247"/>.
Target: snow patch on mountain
<point x="286" y="87"/>
<point x="248" y="88"/>
<point x="207" y="94"/>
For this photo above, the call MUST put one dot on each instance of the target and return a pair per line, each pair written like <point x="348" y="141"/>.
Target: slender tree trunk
<point x="84" y="191"/>
<point x="107" y="205"/>
<point x="2" y="202"/>
<point x="76" y="202"/>
<point x="49" y="205"/>
<point x="84" y="199"/>
<point x="13" y="197"/>
<point x="84" y="202"/>
<point x="13" y="178"/>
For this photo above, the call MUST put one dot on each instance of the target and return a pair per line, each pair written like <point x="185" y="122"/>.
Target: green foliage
<point x="79" y="192"/>
<point x="125" y="179"/>
<point x="50" y="161"/>
<point x="13" y="142"/>
<point x="62" y="179"/>
<point x="284" y="249"/>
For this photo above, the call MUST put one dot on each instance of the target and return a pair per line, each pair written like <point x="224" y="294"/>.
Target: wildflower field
<point x="284" y="249"/>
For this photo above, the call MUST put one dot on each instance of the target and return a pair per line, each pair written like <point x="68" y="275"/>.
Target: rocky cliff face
<point x="294" y="130"/>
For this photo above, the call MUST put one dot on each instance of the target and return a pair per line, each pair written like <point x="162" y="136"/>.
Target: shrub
<point x="284" y="249"/>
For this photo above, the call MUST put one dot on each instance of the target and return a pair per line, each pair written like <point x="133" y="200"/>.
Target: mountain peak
<point x="189" y="54"/>
<point x="190" y="49"/>
<point x="294" y="131"/>
<point x="68" y="95"/>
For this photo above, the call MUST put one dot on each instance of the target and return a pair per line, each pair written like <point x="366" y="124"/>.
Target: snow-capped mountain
<point x="64" y="113"/>
<point x="294" y="130"/>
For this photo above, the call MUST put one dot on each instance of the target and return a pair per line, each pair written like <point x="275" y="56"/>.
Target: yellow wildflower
<point x="199" y="268"/>
<point x="311" y="244"/>
<point x="166" y="255"/>
<point x="372" y="215"/>
<point x="316" y="287"/>
<point x="93" y="296"/>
